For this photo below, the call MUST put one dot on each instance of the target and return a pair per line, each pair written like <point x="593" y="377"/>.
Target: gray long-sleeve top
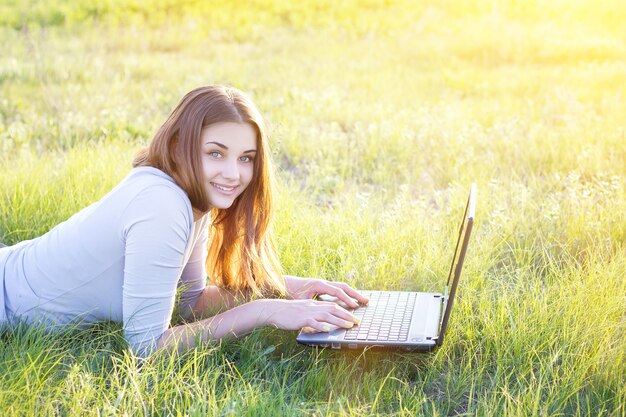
<point x="120" y="259"/>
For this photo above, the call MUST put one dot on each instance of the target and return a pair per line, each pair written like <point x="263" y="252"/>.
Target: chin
<point x="221" y="203"/>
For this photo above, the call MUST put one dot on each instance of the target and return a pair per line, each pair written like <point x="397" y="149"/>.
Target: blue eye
<point x="246" y="159"/>
<point x="215" y="154"/>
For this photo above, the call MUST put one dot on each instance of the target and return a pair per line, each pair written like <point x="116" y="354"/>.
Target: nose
<point x="230" y="170"/>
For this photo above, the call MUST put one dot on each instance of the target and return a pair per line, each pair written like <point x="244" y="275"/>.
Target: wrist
<point x="293" y="285"/>
<point x="288" y="280"/>
<point x="263" y="310"/>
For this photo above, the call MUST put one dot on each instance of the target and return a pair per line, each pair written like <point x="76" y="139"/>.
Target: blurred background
<point x="388" y="109"/>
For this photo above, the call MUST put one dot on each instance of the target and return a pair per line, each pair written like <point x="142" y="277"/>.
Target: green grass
<point x="381" y="113"/>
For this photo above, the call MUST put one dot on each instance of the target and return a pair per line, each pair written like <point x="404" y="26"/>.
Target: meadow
<point x="380" y="113"/>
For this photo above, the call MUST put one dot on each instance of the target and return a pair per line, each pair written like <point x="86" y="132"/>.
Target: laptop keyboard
<point x="387" y="317"/>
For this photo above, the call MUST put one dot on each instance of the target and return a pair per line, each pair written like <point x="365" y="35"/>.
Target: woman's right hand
<point x="321" y="316"/>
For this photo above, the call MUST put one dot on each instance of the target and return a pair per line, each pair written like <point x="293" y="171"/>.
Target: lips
<point x="226" y="189"/>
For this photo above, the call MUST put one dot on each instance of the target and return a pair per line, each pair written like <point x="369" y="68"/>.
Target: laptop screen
<point x="457" y="260"/>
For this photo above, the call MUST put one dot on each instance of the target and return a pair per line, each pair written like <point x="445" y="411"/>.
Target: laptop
<point x="412" y="321"/>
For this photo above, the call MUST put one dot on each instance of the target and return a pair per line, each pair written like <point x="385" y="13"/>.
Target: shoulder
<point x="148" y="181"/>
<point x="153" y="194"/>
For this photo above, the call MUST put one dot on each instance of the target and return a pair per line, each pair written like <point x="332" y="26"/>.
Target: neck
<point x="197" y="215"/>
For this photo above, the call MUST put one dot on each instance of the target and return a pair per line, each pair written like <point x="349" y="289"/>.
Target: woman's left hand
<point x="308" y="288"/>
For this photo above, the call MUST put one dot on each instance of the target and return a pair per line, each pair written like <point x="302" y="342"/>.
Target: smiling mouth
<point x="224" y="188"/>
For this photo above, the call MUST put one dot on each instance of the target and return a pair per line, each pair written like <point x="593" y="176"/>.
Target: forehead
<point x="230" y="134"/>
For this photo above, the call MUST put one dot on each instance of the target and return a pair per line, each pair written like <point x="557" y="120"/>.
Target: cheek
<point x="247" y="173"/>
<point x="206" y="167"/>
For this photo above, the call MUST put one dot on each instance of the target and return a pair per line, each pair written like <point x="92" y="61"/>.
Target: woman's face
<point x="228" y="153"/>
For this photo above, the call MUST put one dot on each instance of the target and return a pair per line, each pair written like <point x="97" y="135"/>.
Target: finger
<point x="330" y="319"/>
<point x="353" y="293"/>
<point x="315" y="326"/>
<point x="339" y="312"/>
<point x="307" y="329"/>
<point x="334" y="290"/>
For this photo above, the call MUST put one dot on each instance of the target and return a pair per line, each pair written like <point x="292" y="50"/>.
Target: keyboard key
<point x="386" y="317"/>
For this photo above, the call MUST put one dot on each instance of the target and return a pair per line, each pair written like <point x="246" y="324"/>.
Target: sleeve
<point x="157" y="229"/>
<point x="193" y="278"/>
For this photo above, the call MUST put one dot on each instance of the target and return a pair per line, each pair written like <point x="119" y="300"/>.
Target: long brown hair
<point x="241" y="253"/>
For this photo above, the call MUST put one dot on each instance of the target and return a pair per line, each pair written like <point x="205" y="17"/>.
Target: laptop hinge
<point x="444" y="305"/>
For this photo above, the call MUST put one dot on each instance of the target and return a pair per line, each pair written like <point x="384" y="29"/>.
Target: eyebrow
<point x="221" y="145"/>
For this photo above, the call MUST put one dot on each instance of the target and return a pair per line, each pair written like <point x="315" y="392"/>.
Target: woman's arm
<point x="214" y="300"/>
<point x="238" y="321"/>
<point x="193" y="277"/>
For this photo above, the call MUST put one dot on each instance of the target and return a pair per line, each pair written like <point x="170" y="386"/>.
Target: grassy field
<point x="381" y="113"/>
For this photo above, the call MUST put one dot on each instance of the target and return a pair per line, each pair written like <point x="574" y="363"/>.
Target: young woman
<point x="197" y="203"/>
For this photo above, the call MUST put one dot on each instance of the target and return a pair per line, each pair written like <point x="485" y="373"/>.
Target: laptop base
<point x="422" y="334"/>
